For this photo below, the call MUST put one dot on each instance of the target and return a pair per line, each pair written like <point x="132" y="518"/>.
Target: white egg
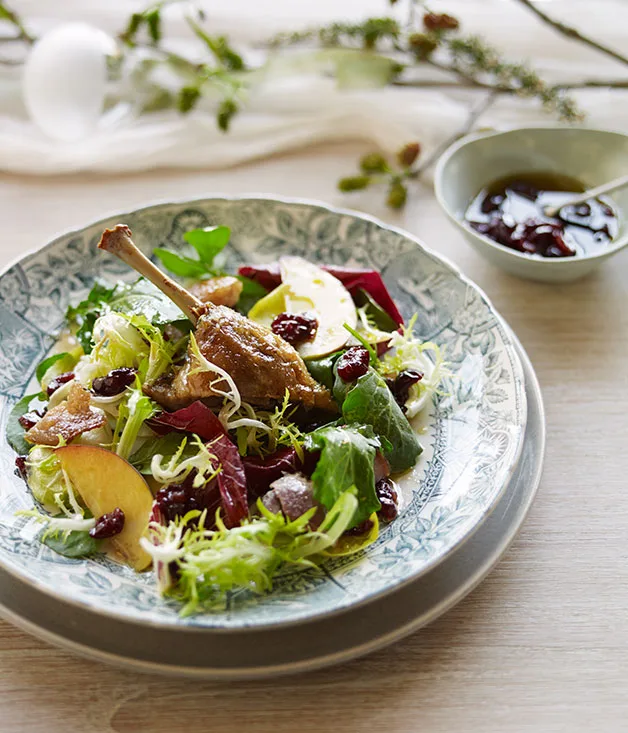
<point x="65" y="80"/>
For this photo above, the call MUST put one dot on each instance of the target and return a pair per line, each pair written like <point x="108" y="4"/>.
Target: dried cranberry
<point x="295" y="328"/>
<point x="353" y="363"/>
<point x="20" y="466"/>
<point x="491" y="202"/>
<point x="175" y="501"/>
<point x="109" y="525"/>
<point x="546" y="239"/>
<point x="29" y="419"/>
<point x="113" y="383"/>
<point x="360" y="529"/>
<point x="525" y="189"/>
<point x="59" y="381"/>
<point x="400" y="387"/>
<point x="499" y="231"/>
<point x="387" y="496"/>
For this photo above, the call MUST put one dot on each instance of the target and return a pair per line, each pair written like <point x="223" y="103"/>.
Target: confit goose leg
<point x="262" y="365"/>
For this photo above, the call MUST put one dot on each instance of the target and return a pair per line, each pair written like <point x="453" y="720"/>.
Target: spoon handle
<point x="590" y="194"/>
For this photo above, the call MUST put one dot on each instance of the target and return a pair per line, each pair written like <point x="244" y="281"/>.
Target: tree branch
<point x="474" y="115"/>
<point x="573" y="33"/>
<point x="470" y="83"/>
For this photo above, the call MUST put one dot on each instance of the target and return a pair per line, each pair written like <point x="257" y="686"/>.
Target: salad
<point x="224" y="430"/>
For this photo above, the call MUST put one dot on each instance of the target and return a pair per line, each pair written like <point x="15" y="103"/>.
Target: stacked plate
<point x="483" y="441"/>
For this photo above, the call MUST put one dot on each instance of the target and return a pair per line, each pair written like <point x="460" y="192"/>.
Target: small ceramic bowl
<point x="591" y="156"/>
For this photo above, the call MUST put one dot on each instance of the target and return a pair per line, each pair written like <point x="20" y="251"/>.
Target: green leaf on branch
<point x="226" y="111"/>
<point x="188" y="97"/>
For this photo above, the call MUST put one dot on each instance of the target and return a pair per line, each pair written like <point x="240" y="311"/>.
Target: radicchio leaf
<point x="354" y="279"/>
<point x="261" y="472"/>
<point x="196" y="418"/>
<point x="231" y="482"/>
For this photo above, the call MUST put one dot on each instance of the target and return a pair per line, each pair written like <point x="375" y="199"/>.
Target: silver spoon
<point x="590" y="194"/>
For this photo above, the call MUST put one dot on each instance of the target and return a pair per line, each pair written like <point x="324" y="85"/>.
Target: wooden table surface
<point x="541" y="645"/>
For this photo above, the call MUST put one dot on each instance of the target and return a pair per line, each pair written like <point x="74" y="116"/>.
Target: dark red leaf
<point x="381" y="466"/>
<point x="231" y="482"/>
<point x="196" y="418"/>
<point x="354" y="279"/>
<point x="261" y="472"/>
<point x="371" y="281"/>
<point x="268" y="276"/>
<point x="383" y="347"/>
<point x="226" y="492"/>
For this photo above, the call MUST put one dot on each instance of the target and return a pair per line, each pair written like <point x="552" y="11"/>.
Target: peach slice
<point x="105" y="481"/>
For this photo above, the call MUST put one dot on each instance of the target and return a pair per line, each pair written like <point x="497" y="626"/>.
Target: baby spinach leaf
<point x="84" y="315"/>
<point x="347" y="458"/>
<point x="375" y="313"/>
<point x="370" y="402"/>
<point x="208" y="242"/>
<point x="14" y="431"/>
<point x="71" y="544"/>
<point x="323" y="369"/>
<point x="179" y="264"/>
<point x="251" y="293"/>
<point x="164" y="445"/>
<point x="48" y="362"/>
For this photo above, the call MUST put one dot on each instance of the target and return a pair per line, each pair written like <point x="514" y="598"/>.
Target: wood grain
<point x="541" y="645"/>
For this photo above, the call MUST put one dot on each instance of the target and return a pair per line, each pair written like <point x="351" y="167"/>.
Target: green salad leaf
<point x="142" y="298"/>
<point x="132" y="414"/>
<point x="208" y="242"/>
<point x="374" y="312"/>
<point x="57" y="364"/>
<point x="180" y="264"/>
<point x="210" y="563"/>
<point x="44" y="365"/>
<point x="251" y="292"/>
<point x="164" y="445"/>
<point x="323" y="369"/>
<point x="14" y="431"/>
<point x="347" y="459"/>
<point x="84" y="315"/>
<point x="371" y="402"/>
<point x="71" y="544"/>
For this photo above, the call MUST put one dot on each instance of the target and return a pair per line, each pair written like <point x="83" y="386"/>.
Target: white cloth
<point x="293" y="111"/>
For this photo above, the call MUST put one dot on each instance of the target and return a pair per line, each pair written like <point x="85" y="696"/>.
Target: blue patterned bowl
<point x="472" y="433"/>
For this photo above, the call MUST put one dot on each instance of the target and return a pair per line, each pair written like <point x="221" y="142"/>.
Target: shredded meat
<point x="218" y="290"/>
<point x="261" y="364"/>
<point x="67" y="420"/>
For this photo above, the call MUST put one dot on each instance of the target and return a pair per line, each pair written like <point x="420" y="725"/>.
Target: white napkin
<point x="291" y="112"/>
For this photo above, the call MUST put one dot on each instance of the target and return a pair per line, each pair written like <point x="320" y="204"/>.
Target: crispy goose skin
<point x="261" y="364"/>
<point x="67" y="420"/>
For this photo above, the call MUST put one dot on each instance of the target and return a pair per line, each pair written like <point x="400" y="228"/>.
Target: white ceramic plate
<point x="294" y="648"/>
<point x="472" y="434"/>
